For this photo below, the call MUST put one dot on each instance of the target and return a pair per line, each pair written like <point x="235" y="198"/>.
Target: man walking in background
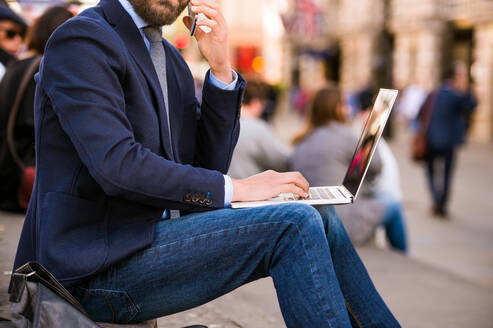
<point x="452" y="108"/>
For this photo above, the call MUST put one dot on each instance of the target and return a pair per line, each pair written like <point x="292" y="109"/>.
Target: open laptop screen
<point x="369" y="139"/>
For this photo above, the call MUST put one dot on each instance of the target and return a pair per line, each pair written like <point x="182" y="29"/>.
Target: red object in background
<point x="27" y="183"/>
<point x="182" y="40"/>
<point x="244" y="58"/>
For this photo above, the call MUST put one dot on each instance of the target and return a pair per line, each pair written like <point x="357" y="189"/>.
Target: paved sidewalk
<point x="464" y="243"/>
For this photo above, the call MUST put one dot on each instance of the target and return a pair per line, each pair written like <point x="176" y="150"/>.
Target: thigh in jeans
<point x="196" y="258"/>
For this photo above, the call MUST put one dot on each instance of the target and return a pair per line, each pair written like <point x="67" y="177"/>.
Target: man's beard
<point x="158" y="12"/>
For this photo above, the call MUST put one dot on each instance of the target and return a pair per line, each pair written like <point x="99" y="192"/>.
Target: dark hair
<point x="39" y="33"/>
<point x="323" y="109"/>
<point x="254" y="90"/>
<point x="450" y="72"/>
<point x="365" y="99"/>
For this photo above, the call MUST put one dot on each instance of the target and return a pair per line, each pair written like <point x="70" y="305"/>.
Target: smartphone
<point x="195" y="17"/>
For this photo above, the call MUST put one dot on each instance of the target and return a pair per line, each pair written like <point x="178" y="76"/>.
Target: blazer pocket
<point x="72" y="236"/>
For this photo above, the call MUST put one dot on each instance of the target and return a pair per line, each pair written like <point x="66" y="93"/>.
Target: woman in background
<point x="323" y="153"/>
<point x="23" y="133"/>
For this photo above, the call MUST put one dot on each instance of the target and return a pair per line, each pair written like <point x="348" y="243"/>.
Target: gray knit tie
<point x="158" y="57"/>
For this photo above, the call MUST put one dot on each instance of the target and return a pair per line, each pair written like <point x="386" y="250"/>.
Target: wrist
<point x="236" y="190"/>
<point x="225" y="74"/>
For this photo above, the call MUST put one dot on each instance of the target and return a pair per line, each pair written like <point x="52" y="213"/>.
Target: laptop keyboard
<point x="314" y="194"/>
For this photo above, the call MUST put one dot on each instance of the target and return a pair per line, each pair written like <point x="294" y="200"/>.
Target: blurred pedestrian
<point x="323" y="153"/>
<point x="453" y="105"/>
<point x="258" y="148"/>
<point x="12" y="30"/>
<point x="410" y="103"/>
<point x="12" y="87"/>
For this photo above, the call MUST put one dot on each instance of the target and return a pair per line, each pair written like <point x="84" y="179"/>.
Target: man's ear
<point x="187" y="20"/>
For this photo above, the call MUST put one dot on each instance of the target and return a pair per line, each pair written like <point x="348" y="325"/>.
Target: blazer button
<point x="208" y="202"/>
<point x="195" y="198"/>
<point x="187" y="197"/>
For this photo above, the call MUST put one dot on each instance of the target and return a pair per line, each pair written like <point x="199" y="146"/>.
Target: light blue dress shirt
<point x="140" y="23"/>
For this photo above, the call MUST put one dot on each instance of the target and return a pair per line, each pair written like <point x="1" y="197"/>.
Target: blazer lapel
<point x="134" y="42"/>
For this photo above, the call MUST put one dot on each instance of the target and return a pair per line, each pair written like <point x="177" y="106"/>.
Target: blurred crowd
<point x="21" y="49"/>
<point x="322" y="151"/>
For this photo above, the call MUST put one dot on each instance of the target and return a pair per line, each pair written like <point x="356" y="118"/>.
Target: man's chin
<point x="167" y="13"/>
<point x="159" y="12"/>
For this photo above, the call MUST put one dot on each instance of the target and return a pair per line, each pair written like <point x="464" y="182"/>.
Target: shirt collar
<point x="139" y="22"/>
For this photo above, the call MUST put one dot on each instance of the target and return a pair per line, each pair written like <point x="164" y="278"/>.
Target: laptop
<point x="356" y="171"/>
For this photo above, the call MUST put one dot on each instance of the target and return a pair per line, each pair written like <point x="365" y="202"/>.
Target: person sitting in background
<point x="258" y="148"/>
<point x="323" y="153"/>
<point x="23" y="133"/>
<point x="12" y="30"/>
<point x="270" y="105"/>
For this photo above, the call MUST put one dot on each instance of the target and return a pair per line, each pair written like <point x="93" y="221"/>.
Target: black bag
<point x="39" y="300"/>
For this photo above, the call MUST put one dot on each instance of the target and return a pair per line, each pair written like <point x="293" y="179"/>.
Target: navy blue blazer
<point x="104" y="166"/>
<point x="447" y="127"/>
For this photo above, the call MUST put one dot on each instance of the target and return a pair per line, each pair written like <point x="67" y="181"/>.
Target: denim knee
<point x="303" y="215"/>
<point x="331" y="219"/>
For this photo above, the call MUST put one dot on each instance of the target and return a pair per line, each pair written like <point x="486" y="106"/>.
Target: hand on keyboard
<point x="269" y="184"/>
<point x="288" y="196"/>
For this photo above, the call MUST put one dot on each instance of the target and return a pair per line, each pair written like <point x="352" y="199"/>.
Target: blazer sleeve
<point x="82" y="75"/>
<point x="219" y="125"/>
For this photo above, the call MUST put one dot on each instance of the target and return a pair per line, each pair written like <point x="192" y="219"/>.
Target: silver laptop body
<point x="356" y="172"/>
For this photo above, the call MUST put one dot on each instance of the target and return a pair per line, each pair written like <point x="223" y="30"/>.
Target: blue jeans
<point x="439" y="165"/>
<point x="393" y="221"/>
<point x="319" y="278"/>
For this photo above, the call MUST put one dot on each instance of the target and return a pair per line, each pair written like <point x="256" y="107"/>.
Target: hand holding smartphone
<point x="195" y="17"/>
<point x="212" y="38"/>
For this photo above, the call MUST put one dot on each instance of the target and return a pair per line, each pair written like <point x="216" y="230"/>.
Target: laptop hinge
<point x="346" y="193"/>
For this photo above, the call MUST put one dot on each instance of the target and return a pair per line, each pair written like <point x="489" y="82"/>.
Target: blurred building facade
<point x="396" y="43"/>
<point x="431" y="34"/>
<point x="256" y="37"/>
<point x="357" y="43"/>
